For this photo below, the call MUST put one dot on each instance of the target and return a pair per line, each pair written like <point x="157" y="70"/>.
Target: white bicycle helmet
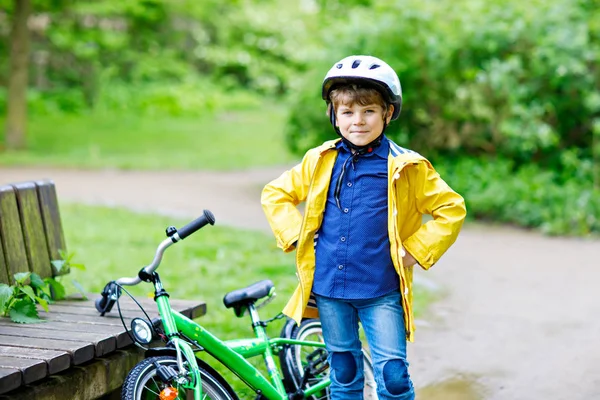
<point x="366" y="68"/>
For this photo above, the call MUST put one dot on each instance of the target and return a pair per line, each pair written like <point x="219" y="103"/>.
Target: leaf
<point x="79" y="288"/>
<point x="58" y="264"/>
<point x="36" y="281"/>
<point x="44" y="291"/>
<point x="57" y="289"/>
<point x="28" y="291"/>
<point x="66" y="261"/>
<point x="46" y="298"/>
<point x="21" y="277"/>
<point x="24" y="312"/>
<point x="6" y="293"/>
<point x="64" y="255"/>
<point x="43" y="303"/>
<point x="80" y="267"/>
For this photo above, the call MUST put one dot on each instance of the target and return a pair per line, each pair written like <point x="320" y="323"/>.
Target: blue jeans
<point x="383" y="323"/>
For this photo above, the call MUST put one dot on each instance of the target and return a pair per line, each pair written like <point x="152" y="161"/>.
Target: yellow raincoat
<point x="414" y="189"/>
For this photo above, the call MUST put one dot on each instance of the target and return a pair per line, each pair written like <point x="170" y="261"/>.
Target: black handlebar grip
<point x="206" y="218"/>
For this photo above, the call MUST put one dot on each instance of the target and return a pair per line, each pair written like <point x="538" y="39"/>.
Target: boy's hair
<point x="353" y="93"/>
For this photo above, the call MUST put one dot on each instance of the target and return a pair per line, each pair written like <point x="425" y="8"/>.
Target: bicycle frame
<point x="231" y="353"/>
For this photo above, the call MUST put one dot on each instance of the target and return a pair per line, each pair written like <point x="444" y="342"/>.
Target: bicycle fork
<point x="189" y="376"/>
<point x="192" y="379"/>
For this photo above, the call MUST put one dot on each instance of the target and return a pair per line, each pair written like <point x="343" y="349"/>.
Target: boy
<point x="361" y="233"/>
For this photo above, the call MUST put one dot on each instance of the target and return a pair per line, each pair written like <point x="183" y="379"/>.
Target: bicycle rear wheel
<point x="293" y="358"/>
<point x="143" y="382"/>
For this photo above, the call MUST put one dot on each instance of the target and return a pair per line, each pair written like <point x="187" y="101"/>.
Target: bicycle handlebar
<point x="187" y="230"/>
<point x="110" y="293"/>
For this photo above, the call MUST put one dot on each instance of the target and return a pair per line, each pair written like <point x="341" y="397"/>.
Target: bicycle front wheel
<point x="293" y="358"/>
<point x="144" y="383"/>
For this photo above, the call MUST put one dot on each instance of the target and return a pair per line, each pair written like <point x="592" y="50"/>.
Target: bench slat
<point x="57" y="361"/>
<point x="121" y="337"/>
<point x="55" y="238"/>
<point x="80" y="352"/>
<point x="3" y="266"/>
<point x="189" y="308"/>
<point x="103" y="344"/>
<point x="15" y="255"/>
<point x="31" y="370"/>
<point x="111" y="319"/>
<point x="10" y="379"/>
<point x="33" y="229"/>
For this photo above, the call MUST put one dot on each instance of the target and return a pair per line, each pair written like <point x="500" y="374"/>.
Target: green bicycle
<point x="174" y="371"/>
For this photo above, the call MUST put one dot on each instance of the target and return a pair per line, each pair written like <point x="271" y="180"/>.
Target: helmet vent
<point x="374" y="66"/>
<point x="355" y="64"/>
<point x="339" y="66"/>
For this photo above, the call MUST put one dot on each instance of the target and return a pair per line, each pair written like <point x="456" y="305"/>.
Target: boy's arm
<point x="279" y="200"/>
<point x="434" y="197"/>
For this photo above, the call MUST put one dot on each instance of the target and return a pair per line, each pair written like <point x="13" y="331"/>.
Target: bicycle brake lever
<point x="110" y="294"/>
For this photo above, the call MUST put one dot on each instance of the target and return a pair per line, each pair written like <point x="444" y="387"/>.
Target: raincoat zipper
<point x="305" y="217"/>
<point x="403" y="282"/>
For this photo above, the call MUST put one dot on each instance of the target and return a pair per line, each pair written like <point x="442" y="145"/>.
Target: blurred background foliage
<point x="503" y="96"/>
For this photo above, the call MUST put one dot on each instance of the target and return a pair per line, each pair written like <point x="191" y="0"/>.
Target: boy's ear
<point x="329" y="111"/>
<point x="388" y="117"/>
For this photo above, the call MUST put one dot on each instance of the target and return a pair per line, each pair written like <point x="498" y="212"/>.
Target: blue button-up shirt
<point x="352" y="245"/>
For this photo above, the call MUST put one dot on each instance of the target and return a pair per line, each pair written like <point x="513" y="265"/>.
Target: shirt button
<point x="349" y="184"/>
<point x="343" y="238"/>
<point x="346" y="210"/>
<point x="340" y="267"/>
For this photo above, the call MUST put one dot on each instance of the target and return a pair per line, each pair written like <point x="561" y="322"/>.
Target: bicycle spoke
<point x="156" y="385"/>
<point x="147" y="388"/>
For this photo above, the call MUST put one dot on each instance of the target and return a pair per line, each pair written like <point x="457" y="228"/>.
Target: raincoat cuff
<point x="419" y="251"/>
<point x="289" y="245"/>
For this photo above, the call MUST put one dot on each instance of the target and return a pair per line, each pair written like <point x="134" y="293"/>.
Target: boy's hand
<point x="407" y="259"/>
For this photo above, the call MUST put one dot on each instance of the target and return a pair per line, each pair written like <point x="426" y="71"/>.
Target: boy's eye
<point x="346" y="112"/>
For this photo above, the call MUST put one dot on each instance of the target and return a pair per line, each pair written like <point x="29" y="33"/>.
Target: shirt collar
<point x="380" y="151"/>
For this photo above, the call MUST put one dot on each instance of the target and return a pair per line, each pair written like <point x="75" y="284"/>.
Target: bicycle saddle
<point x="240" y="298"/>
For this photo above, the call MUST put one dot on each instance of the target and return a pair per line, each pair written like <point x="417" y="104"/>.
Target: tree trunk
<point x="16" y="118"/>
<point x="596" y="156"/>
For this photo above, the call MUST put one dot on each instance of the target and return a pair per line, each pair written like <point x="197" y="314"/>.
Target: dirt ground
<point x="520" y="313"/>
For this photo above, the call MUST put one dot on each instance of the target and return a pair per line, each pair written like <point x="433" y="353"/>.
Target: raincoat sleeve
<point x="433" y="196"/>
<point x="279" y="200"/>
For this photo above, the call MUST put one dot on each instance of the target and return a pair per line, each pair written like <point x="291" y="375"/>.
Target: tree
<point x="16" y="119"/>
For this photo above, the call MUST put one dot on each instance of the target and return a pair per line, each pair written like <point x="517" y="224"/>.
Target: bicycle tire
<point x="292" y="358"/>
<point x="141" y="385"/>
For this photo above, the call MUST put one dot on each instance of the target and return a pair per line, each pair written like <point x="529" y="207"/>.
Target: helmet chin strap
<point x="358" y="149"/>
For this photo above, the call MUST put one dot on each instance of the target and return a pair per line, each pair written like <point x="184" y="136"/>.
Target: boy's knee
<point x="344" y="366"/>
<point x="395" y="377"/>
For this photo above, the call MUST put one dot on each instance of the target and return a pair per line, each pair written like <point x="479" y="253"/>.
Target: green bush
<point x="526" y="196"/>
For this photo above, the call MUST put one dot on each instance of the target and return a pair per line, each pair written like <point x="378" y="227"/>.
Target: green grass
<point x="114" y="242"/>
<point x="224" y="141"/>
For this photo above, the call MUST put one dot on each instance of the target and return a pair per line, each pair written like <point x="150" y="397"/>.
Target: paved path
<point x="520" y="318"/>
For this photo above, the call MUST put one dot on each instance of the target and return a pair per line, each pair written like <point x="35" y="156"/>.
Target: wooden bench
<point x="74" y="353"/>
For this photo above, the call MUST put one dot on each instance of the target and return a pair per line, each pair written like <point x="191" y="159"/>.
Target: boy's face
<point x="361" y="124"/>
